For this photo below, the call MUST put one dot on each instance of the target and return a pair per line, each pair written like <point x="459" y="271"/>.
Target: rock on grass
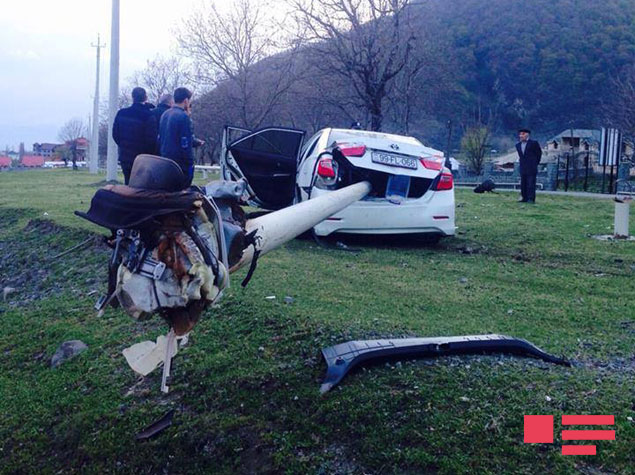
<point x="66" y="351"/>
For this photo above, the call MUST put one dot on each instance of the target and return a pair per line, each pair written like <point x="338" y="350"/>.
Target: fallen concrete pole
<point x="275" y="229"/>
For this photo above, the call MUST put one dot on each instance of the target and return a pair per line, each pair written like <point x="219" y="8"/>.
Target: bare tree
<point x="238" y="50"/>
<point x="474" y="143"/>
<point x="620" y="110"/>
<point x="425" y="89"/>
<point x="162" y="75"/>
<point x="320" y="99"/>
<point x="70" y="132"/>
<point x="366" y="42"/>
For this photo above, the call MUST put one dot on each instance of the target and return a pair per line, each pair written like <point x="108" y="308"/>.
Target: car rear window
<point x="339" y="135"/>
<point x="312" y="142"/>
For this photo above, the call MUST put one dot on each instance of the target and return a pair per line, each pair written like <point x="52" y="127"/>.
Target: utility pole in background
<point x="94" y="142"/>
<point x="572" y="156"/>
<point x="448" y="162"/>
<point x="113" y="98"/>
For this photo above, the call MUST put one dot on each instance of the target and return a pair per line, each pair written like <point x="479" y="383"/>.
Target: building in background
<point x="584" y="141"/>
<point x="32" y="161"/>
<point x="46" y="150"/>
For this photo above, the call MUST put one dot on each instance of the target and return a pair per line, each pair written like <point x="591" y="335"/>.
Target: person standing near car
<point x="176" y="139"/>
<point x="135" y="131"/>
<point x="165" y="102"/>
<point x="529" y="154"/>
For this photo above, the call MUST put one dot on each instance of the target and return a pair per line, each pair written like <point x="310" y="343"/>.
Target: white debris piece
<point x="167" y="363"/>
<point x="146" y="356"/>
<point x="6" y="292"/>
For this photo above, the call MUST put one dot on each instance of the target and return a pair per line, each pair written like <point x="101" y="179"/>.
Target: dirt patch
<point x="29" y="268"/>
<point x="338" y="461"/>
<point x="614" y="365"/>
<point x="255" y="456"/>
<point x="44" y="226"/>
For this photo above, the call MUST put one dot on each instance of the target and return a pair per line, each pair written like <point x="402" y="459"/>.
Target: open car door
<point x="267" y="159"/>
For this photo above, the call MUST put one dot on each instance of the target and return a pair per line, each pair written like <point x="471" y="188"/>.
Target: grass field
<point x="245" y="389"/>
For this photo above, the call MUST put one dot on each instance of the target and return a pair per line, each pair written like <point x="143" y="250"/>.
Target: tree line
<point x="406" y="66"/>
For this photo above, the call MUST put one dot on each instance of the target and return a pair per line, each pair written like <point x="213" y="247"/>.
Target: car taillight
<point x="326" y="172"/>
<point x="446" y="182"/>
<point x="326" y="168"/>
<point x="432" y="163"/>
<point x="352" y="150"/>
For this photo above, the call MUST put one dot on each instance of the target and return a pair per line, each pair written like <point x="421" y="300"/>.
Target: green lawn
<point x="245" y="390"/>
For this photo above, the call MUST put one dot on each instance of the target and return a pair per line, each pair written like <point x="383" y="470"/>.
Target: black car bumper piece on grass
<point x="341" y="358"/>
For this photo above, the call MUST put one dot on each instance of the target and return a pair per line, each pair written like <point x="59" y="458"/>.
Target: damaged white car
<point x="412" y="192"/>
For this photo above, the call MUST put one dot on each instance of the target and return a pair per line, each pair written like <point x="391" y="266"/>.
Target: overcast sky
<point x="47" y="65"/>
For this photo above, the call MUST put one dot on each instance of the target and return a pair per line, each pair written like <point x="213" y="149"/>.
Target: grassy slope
<point x="246" y="387"/>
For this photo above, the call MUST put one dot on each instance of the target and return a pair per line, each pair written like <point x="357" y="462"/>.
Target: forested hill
<point x="546" y="62"/>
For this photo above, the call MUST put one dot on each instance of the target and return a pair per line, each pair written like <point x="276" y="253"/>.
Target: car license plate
<point x="394" y="160"/>
<point x="397" y="188"/>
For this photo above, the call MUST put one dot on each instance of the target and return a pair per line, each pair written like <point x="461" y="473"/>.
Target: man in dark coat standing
<point x="176" y="139"/>
<point x="135" y="131"/>
<point x="165" y="102"/>
<point x="529" y="153"/>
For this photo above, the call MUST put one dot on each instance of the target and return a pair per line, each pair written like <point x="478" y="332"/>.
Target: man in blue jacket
<point x="176" y="140"/>
<point x="529" y="153"/>
<point x="135" y="131"/>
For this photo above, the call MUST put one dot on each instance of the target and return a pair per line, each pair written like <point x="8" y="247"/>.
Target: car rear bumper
<point x="432" y="213"/>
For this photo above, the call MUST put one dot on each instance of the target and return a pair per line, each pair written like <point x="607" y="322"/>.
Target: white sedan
<point x="412" y="192"/>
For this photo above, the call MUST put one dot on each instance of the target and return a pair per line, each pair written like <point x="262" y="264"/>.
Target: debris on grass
<point x="494" y="425"/>
<point x="611" y="238"/>
<point x="7" y="291"/>
<point x="146" y="356"/>
<point x="156" y="427"/>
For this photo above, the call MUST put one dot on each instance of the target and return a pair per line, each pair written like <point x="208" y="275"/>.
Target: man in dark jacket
<point x="165" y="102"/>
<point x="529" y="153"/>
<point x="135" y="131"/>
<point x="176" y="139"/>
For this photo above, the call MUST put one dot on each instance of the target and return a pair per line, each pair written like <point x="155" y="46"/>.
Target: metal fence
<point x="558" y="175"/>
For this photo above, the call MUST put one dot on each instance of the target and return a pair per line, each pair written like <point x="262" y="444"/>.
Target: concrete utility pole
<point x="448" y="162"/>
<point x="94" y="142"/>
<point x="111" y="160"/>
